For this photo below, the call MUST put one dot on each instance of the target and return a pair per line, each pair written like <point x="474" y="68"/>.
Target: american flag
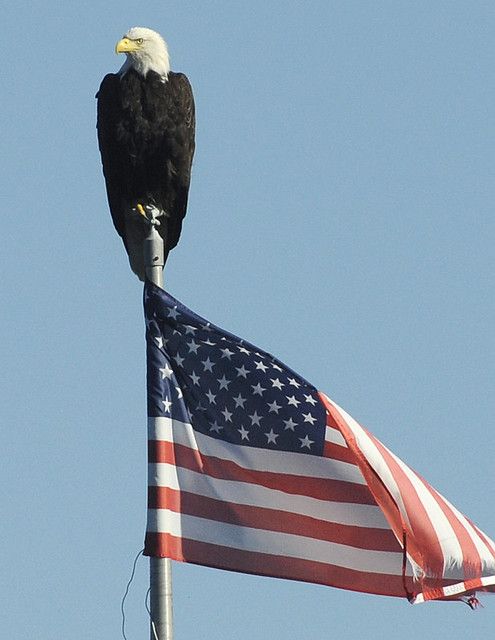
<point x="251" y="469"/>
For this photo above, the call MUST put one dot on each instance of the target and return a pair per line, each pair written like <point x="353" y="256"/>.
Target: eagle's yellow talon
<point x="141" y="210"/>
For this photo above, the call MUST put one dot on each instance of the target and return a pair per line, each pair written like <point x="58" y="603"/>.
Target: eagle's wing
<point x="108" y="113"/>
<point x="179" y="149"/>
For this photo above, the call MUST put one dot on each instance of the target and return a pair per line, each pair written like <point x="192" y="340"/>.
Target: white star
<point x="242" y="371"/>
<point x="243" y="350"/>
<point x="216" y="427"/>
<point x="244" y="433"/>
<point x="193" y="347"/>
<point x="309" y="418"/>
<point x="190" y="329"/>
<point x="223" y="382"/>
<point x="310" y="399"/>
<point x="208" y="364"/>
<point x="275" y="366"/>
<point x="276" y="383"/>
<point x="166" y="372"/>
<point x="239" y="401"/>
<point x="206" y="327"/>
<point x="227" y="353"/>
<point x="294" y="383"/>
<point x="173" y="313"/>
<point x="293" y="401"/>
<point x="179" y="392"/>
<point x="261" y="365"/>
<point x="255" y="419"/>
<point x="208" y="342"/>
<point x="306" y="442"/>
<point x="274" y="407"/>
<point x="227" y="415"/>
<point x="257" y="389"/>
<point x="167" y="404"/>
<point x="159" y="342"/>
<point x="178" y="359"/>
<point x="272" y="437"/>
<point x="290" y="424"/>
<point x="211" y="397"/>
<point x="194" y="378"/>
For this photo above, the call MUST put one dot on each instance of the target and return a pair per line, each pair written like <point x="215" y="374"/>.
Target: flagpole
<point x="160" y="568"/>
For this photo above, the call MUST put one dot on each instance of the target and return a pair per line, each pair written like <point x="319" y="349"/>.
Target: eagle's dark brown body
<point x="146" y="138"/>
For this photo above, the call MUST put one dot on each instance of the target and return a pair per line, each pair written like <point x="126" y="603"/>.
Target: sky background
<point x="340" y="217"/>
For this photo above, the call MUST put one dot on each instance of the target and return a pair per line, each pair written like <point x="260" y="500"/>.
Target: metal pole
<point x="160" y="568"/>
<point x="161" y="599"/>
<point x="153" y="251"/>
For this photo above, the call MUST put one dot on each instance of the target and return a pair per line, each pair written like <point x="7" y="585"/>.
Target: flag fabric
<point x="251" y="469"/>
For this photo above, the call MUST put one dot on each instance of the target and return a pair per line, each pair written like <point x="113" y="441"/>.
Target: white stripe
<point x="487" y="560"/>
<point x="489" y="541"/>
<point x="456" y="589"/>
<point x="253" y="458"/>
<point x="178" y="478"/>
<point x="449" y="544"/>
<point x="335" y="437"/>
<point x="445" y="534"/>
<point x="374" y="458"/>
<point x="447" y="539"/>
<point x="278" y="544"/>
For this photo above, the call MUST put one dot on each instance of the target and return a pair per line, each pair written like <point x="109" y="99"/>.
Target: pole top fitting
<point x="150" y="214"/>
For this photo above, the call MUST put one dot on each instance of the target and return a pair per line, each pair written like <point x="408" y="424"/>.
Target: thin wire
<point x="127" y="591"/>
<point x="153" y="628"/>
<point x="146" y="601"/>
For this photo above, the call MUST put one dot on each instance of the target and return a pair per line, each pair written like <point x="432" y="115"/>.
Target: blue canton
<point x="224" y="386"/>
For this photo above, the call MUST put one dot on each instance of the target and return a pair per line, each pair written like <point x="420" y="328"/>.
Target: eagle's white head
<point x="146" y="51"/>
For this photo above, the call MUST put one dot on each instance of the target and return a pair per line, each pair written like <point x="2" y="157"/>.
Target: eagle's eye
<point x="140" y="40"/>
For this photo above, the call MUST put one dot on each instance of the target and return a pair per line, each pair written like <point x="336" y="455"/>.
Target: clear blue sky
<point x="341" y="217"/>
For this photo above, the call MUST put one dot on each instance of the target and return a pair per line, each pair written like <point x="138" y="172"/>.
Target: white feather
<point x="152" y="54"/>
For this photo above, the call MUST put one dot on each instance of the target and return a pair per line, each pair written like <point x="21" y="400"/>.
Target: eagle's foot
<point x="140" y="209"/>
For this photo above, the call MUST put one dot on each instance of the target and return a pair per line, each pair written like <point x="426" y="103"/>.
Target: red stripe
<point x="164" y="545"/>
<point x="337" y="452"/>
<point x="422" y="542"/>
<point x="271" y="520"/>
<point x="331" y="422"/>
<point x="486" y="540"/>
<point x="472" y="565"/>
<point x="422" y="545"/>
<point x="320" y="488"/>
<point x="469" y="588"/>
<point x="432" y="559"/>
<point x="471" y="560"/>
<point x="379" y="490"/>
<point x="438" y="593"/>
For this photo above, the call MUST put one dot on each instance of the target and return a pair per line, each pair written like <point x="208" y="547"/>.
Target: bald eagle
<point x="146" y="124"/>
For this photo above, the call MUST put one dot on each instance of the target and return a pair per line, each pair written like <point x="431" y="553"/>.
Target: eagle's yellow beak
<point x="126" y="46"/>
